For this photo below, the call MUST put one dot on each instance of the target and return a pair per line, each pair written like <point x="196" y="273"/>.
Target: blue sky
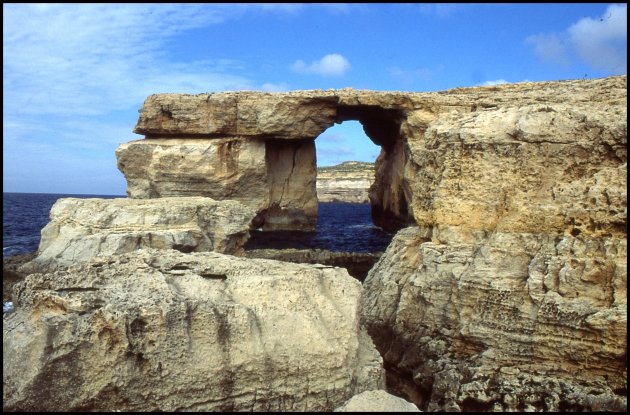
<point x="74" y="76"/>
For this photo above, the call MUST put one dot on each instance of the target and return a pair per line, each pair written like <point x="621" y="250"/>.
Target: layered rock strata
<point x="276" y="179"/>
<point x="509" y="321"/>
<point x="159" y="330"/>
<point x="348" y="182"/>
<point x="81" y="229"/>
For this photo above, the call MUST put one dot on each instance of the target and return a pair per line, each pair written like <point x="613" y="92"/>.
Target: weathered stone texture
<point x="245" y="114"/>
<point x="509" y="321"/>
<point x="80" y="229"/>
<point x="159" y="330"/>
<point x="275" y="179"/>
<point x="292" y="181"/>
<point x="440" y="150"/>
<point x="510" y="294"/>
<point x="220" y="168"/>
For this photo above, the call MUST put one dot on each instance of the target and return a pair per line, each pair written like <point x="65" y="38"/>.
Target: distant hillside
<point x="347" y="166"/>
<point x="346" y="182"/>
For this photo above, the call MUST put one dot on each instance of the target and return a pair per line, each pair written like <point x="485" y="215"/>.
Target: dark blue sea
<point x="341" y="227"/>
<point x="23" y="217"/>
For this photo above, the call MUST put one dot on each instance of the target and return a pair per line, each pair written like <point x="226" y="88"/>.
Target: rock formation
<point x="510" y="291"/>
<point x="228" y="169"/>
<point x="347" y="182"/>
<point x="521" y="185"/>
<point x="506" y="289"/>
<point x="80" y="229"/>
<point x="160" y="330"/>
<point x="10" y="273"/>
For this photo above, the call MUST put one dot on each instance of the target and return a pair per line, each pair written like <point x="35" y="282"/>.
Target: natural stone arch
<point x="259" y="148"/>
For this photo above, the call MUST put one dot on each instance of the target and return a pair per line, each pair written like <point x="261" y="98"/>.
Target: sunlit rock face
<point x="509" y="292"/>
<point x="435" y="146"/>
<point x="275" y="178"/>
<point x="81" y="229"/>
<point x="508" y="321"/>
<point x="160" y="330"/>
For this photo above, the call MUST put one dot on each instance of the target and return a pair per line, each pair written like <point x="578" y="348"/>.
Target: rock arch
<point x="259" y="148"/>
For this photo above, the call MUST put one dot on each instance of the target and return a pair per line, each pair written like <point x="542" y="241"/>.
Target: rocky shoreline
<point x="10" y="273"/>
<point x="504" y="288"/>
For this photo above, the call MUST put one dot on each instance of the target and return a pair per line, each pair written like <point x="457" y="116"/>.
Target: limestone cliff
<point x="347" y="182"/>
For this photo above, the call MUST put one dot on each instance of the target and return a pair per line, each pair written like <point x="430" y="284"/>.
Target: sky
<point x="75" y="75"/>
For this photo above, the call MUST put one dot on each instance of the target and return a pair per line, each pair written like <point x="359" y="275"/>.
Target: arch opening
<point x="361" y="156"/>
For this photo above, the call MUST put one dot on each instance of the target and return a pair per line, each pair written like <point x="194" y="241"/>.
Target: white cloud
<point x="496" y="82"/>
<point x="549" y="47"/>
<point x="600" y="42"/>
<point x="330" y="65"/>
<point x="89" y="59"/>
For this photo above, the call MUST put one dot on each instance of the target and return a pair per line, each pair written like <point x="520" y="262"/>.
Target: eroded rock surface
<point x="80" y="229"/>
<point x="509" y="321"/>
<point x="509" y="294"/>
<point x="159" y="330"/>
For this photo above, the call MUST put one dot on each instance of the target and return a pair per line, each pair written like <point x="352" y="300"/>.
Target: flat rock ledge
<point x="358" y="264"/>
<point x="162" y="330"/>
<point x="81" y="229"/>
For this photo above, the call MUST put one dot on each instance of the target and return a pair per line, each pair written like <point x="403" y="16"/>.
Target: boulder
<point x="81" y="229"/>
<point x="160" y="330"/>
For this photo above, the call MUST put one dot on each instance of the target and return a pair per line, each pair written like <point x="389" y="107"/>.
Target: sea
<point x="341" y="227"/>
